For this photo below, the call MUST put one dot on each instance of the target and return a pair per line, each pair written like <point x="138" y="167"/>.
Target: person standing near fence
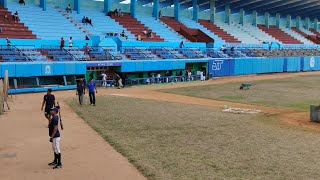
<point x="190" y="76"/>
<point x="92" y="90"/>
<point x="81" y="90"/>
<point x="118" y="80"/>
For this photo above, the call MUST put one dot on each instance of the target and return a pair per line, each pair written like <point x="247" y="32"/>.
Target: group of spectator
<point x="118" y="12"/>
<point x="148" y="33"/>
<point x="15" y="17"/>
<point x="118" y="80"/>
<point x="123" y="34"/>
<point x="62" y="42"/>
<point x="22" y="2"/>
<point x="86" y="21"/>
<point x="68" y="8"/>
<point x="224" y="49"/>
<point x="156" y="77"/>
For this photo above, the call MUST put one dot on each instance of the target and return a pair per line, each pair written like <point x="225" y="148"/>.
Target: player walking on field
<point x="50" y="101"/>
<point x="55" y="138"/>
<point x="81" y="90"/>
<point x="92" y="90"/>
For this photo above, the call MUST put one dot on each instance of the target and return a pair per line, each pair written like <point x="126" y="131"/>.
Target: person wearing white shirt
<point x="104" y="79"/>
<point x="70" y="42"/>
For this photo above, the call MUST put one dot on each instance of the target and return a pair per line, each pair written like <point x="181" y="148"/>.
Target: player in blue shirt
<point x="92" y="90"/>
<point x="55" y="138"/>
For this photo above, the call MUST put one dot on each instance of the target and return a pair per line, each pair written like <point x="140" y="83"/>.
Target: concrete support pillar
<point x="266" y="19"/>
<point x="3" y="3"/>
<point x="43" y="4"/>
<point x="77" y="6"/>
<point x="307" y="23"/>
<point x="133" y="8"/>
<point x="278" y="19"/>
<point x="195" y="10"/>
<point x="107" y="6"/>
<point x="315" y="24"/>
<point x="241" y="14"/>
<point x="176" y="9"/>
<point x="298" y="22"/>
<point x="254" y="18"/>
<point x="212" y="11"/>
<point x="227" y="13"/>
<point x="289" y="21"/>
<point x="156" y="9"/>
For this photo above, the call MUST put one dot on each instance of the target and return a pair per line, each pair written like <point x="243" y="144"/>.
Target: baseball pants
<point x="56" y="145"/>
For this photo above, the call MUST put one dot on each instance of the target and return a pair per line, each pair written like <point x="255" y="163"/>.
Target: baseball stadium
<point x="159" y="89"/>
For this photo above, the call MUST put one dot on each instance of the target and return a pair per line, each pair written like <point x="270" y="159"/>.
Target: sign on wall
<point x="312" y="62"/>
<point x="221" y="67"/>
<point x="47" y="69"/>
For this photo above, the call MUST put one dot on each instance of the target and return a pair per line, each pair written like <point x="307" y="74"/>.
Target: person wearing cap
<point x="81" y="90"/>
<point x="50" y="101"/>
<point x="55" y="138"/>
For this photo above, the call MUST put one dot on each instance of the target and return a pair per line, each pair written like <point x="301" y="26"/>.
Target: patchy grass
<point x="296" y="93"/>
<point x="233" y="98"/>
<point x="178" y="141"/>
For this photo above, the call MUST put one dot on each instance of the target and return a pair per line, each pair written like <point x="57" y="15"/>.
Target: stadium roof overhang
<point x="303" y="8"/>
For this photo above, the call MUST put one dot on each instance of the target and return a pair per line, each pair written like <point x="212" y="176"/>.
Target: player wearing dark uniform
<point x="50" y="101"/>
<point x="81" y="90"/>
<point x="55" y="138"/>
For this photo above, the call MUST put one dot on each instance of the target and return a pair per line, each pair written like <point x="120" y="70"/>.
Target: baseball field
<point x="172" y="132"/>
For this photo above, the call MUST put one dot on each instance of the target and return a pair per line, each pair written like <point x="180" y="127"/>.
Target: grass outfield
<point x="178" y="141"/>
<point x="296" y="93"/>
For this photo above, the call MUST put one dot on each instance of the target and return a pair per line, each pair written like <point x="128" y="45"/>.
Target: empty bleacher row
<point x="29" y="53"/>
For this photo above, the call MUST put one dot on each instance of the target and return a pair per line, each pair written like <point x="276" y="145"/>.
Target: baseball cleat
<point x="57" y="166"/>
<point x="52" y="163"/>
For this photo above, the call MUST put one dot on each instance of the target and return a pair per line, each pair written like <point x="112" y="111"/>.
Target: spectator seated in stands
<point x="90" y="22"/>
<point x="120" y="14"/>
<point x="83" y="20"/>
<point x="8" y="42"/>
<point x="115" y="12"/>
<point x="181" y="45"/>
<point x="139" y="38"/>
<point x="16" y="17"/>
<point x="145" y="32"/>
<point x="22" y="2"/>
<point x="0" y="29"/>
<point x="68" y="9"/>
<point x="150" y="35"/>
<point x="70" y="42"/>
<point x="123" y="34"/>
<point x="86" y="20"/>
<point x="232" y="49"/>
<point x="87" y="48"/>
<point x="223" y="49"/>
<point x="61" y="43"/>
<point x="6" y="17"/>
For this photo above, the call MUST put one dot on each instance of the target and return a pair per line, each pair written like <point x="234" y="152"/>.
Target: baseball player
<point x="50" y="101"/>
<point x="55" y="138"/>
<point x="81" y="90"/>
<point x="92" y="90"/>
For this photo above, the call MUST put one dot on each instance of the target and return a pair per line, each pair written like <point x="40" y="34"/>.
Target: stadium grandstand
<point x="51" y="43"/>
